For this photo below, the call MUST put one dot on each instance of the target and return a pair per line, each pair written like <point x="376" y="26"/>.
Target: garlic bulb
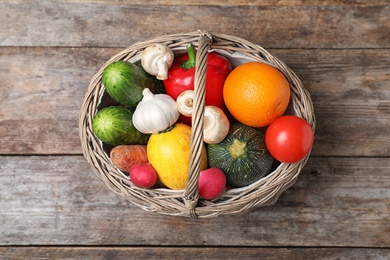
<point x="155" y="113"/>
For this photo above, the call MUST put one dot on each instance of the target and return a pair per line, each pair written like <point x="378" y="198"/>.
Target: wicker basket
<point x="187" y="202"/>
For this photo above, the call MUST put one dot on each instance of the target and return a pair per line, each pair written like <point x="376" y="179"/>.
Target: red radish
<point x="143" y="175"/>
<point x="211" y="183"/>
<point x="125" y="156"/>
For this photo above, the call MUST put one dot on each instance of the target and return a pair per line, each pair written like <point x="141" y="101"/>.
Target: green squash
<point x="242" y="155"/>
<point x="125" y="81"/>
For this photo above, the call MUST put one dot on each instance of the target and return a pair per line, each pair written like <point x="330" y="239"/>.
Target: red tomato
<point x="289" y="139"/>
<point x="212" y="182"/>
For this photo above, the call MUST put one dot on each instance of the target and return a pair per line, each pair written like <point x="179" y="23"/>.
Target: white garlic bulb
<point x="155" y="113"/>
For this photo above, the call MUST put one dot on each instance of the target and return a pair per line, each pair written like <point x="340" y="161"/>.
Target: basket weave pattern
<point x="187" y="203"/>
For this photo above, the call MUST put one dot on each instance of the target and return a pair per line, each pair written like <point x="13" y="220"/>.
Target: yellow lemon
<point x="169" y="154"/>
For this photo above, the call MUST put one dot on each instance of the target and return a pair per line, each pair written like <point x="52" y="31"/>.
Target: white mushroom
<point x="184" y="102"/>
<point x="216" y="124"/>
<point x="157" y="59"/>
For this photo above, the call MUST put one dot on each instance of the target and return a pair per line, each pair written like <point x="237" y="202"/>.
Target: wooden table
<point x="52" y="205"/>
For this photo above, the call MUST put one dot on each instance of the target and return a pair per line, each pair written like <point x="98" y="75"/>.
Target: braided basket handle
<point x="191" y="195"/>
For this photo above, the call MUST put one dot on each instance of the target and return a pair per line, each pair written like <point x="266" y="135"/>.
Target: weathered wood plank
<point x="42" y="91"/>
<point x="239" y="2"/>
<point x="192" y="253"/>
<point x="52" y="23"/>
<point x="350" y="92"/>
<point x="57" y="200"/>
<point x="41" y="95"/>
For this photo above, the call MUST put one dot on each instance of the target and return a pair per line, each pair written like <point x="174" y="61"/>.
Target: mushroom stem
<point x="162" y="68"/>
<point x="156" y="60"/>
<point x="184" y="102"/>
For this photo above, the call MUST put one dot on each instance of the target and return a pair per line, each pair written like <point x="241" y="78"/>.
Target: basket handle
<point x="191" y="195"/>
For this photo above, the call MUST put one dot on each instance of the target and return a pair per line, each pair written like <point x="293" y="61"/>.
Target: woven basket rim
<point x="170" y="202"/>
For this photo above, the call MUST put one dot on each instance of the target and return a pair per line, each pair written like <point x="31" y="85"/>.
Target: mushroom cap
<point x="156" y="60"/>
<point x="216" y="125"/>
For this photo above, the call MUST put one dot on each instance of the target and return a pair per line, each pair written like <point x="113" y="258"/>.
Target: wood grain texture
<point x="192" y="253"/>
<point x="239" y="2"/>
<point x="53" y="206"/>
<point x="43" y="89"/>
<point x="57" y="200"/>
<point x="42" y="93"/>
<point x="50" y="23"/>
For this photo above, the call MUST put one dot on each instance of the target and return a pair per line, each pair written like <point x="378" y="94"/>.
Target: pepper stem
<point x="190" y="63"/>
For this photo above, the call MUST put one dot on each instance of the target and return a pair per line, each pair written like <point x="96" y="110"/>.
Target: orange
<point x="256" y="93"/>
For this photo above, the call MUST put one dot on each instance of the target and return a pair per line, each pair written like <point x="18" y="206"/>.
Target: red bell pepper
<point x="182" y="73"/>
